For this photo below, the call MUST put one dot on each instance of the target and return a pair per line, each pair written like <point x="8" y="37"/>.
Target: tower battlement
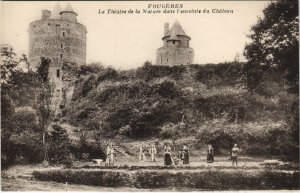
<point x="57" y="35"/>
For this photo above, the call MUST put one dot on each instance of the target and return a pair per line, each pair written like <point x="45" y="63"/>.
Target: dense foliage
<point x="275" y="43"/>
<point x="254" y="104"/>
<point x="25" y="111"/>
<point x="274" y="46"/>
<point x="207" y="101"/>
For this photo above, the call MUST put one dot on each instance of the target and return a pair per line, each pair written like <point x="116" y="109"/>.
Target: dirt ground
<point x="219" y="161"/>
<point x="19" y="177"/>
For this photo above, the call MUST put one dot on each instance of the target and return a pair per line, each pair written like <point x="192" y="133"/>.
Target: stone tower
<point x="59" y="37"/>
<point x="175" y="50"/>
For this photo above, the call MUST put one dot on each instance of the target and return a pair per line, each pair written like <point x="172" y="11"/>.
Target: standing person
<point x="112" y="156"/>
<point x="210" y="154"/>
<point x="153" y="153"/>
<point x="234" y="154"/>
<point x="185" y="154"/>
<point x="107" y="155"/>
<point x="141" y="153"/>
<point x="168" y="160"/>
<point x="144" y="154"/>
<point x="180" y="155"/>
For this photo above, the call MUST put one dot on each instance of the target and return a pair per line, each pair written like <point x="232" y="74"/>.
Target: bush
<point x="29" y="145"/>
<point x="270" y="138"/>
<point x="59" y="146"/>
<point x="153" y="179"/>
<point x="167" y="89"/>
<point x="88" y="151"/>
<point x="94" y="178"/>
<point x="149" y="71"/>
<point x="21" y="138"/>
<point x="214" y="75"/>
<point x="202" y="179"/>
<point x="25" y="118"/>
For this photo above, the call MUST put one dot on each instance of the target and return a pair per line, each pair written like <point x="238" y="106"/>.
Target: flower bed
<point x="201" y="179"/>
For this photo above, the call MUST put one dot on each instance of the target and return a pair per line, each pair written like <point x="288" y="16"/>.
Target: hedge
<point x="86" y="177"/>
<point x="201" y="179"/>
<point x="126" y="167"/>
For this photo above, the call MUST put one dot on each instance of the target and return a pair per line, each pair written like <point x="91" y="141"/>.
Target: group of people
<point x="152" y="152"/>
<point x="169" y="160"/>
<point x="110" y="155"/>
<point x="184" y="155"/>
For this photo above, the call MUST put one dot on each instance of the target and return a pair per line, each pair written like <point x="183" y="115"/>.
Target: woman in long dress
<point x="210" y="154"/>
<point x="168" y="159"/>
<point x="185" y="154"/>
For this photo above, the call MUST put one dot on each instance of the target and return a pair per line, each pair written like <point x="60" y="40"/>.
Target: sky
<point x="126" y="41"/>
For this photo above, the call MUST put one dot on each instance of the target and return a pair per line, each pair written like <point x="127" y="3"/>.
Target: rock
<point x="271" y="162"/>
<point x="98" y="161"/>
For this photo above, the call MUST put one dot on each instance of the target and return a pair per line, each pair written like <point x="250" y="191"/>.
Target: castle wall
<point x="63" y="41"/>
<point x="57" y="86"/>
<point x="184" y="41"/>
<point x="55" y="38"/>
<point x="172" y="56"/>
<point x="175" y="51"/>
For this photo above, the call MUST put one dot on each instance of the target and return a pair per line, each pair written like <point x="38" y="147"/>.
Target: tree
<point x="7" y="66"/>
<point x="8" y="63"/>
<point x="59" y="145"/>
<point x="275" y="43"/>
<point x="19" y="88"/>
<point x="43" y="70"/>
<point x="93" y="68"/>
<point x="44" y="99"/>
<point x="25" y="118"/>
<point x="8" y="153"/>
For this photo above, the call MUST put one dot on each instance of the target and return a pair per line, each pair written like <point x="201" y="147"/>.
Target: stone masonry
<point x="175" y="50"/>
<point x="59" y="37"/>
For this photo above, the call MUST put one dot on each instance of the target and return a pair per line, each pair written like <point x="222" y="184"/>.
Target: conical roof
<point x="176" y="29"/>
<point x="56" y="11"/>
<point x="173" y="35"/>
<point x="69" y="8"/>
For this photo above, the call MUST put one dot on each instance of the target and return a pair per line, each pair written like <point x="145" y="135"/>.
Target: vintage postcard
<point x="137" y="96"/>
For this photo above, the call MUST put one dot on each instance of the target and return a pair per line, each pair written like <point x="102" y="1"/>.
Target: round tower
<point x="57" y="35"/>
<point x="176" y="49"/>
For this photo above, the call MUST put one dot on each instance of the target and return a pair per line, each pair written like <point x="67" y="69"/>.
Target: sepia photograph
<point x="143" y="96"/>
